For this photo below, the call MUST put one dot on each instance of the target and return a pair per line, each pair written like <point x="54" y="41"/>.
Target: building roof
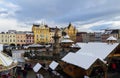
<point x="66" y="41"/>
<point x="37" y="67"/>
<point x="75" y="45"/>
<point x="1" y="47"/>
<point x="29" y="33"/>
<point x="89" y="53"/>
<point x="111" y="38"/>
<point x="80" y="60"/>
<point x="66" y="37"/>
<point x="35" y="45"/>
<point x="5" y="60"/>
<point x="101" y="50"/>
<point x="36" y="25"/>
<point x="53" y="65"/>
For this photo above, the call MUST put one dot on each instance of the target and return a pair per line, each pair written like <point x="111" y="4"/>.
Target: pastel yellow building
<point x="12" y="38"/>
<point x="4" y="38"/>
<point x="41" y="33"/>
<point x="8" y="37"/>
<point x="71" y="31"/>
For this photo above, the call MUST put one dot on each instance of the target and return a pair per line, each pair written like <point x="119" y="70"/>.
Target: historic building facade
<point x="8" y="37"/>
<point x="3" y="38"/>
<point x="41" y="33"/>
<point x="29" y="38"/>
<point x="52" y="33"/>
<point x="71" y="31"/>
<point x="82" y="37"/>
<point x="44" y="34"/>
<point x="21" y="38"/>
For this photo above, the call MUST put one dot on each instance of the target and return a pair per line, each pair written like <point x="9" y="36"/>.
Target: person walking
<point x="24" y="72"/>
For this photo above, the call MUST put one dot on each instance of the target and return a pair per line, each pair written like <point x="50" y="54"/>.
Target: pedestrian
<point x="24" y="72"/>
<point x="9" y="75"/>
<point x="18" y="76"/>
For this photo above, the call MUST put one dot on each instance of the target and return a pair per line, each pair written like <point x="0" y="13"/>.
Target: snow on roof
<point x="111" y="38"/>
<point x="35" y="45"/>
<point x="66" y="36"/>
<point x="53" y="65"/>
<point x="29" y="33"/>
<point x="89" y="53"/>
<point x="47" y="45"/>
<point x="80" y="60"/>
<point x="75" y="45"/>
<point x="5" y="60"/>
<point x="1" y="47"/>
<point x="101" y="50"/>
<point x="37" y="67"/>
<point x="20" y="59"/>
<point x="66" y="41"/>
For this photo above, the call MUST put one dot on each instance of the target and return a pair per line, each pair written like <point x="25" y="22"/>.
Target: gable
<point x="114" y="53"/>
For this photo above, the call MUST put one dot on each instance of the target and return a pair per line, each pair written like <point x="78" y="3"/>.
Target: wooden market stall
<point x="80" y="65"/>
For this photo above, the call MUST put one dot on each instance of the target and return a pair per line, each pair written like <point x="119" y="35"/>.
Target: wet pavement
<point x="114" y="75"/>
<point x="32" y="74"/>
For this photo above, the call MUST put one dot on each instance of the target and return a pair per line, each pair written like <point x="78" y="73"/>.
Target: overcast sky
<point x="85" y="15"/>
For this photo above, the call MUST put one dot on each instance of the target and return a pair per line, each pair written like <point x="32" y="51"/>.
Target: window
<point x="37" y="35"/>
<point x="13" y="40"/>
<point x="10" y="40"/>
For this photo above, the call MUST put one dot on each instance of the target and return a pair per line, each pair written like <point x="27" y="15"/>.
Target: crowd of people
<point x="23" y="71"/>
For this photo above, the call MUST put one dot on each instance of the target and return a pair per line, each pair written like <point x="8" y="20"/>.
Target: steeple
<point x="69" y="25"/>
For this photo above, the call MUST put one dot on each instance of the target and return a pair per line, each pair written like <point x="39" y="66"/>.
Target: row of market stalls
<point x="47" y="72"/>
<point x="92" y="59"/>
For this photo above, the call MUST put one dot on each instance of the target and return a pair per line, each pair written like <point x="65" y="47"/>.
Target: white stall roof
<point x="101" y="50"/>
<point x="111" y="38"/>
<point x="66" y="41"/>
<point x="89" y="53"/>
<point x="37" y="67"/>
<point x="53" y="65"/>
<point x="5" y="60"/>
<point x="1" y="47"/>
<point x="80" y="60"/>
<point x="66" y="36"/>
<point x="35" y="45"/>
<point x="75" y="45"/>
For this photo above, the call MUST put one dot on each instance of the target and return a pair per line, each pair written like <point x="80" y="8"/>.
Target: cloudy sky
<point x="86" y="15"/>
